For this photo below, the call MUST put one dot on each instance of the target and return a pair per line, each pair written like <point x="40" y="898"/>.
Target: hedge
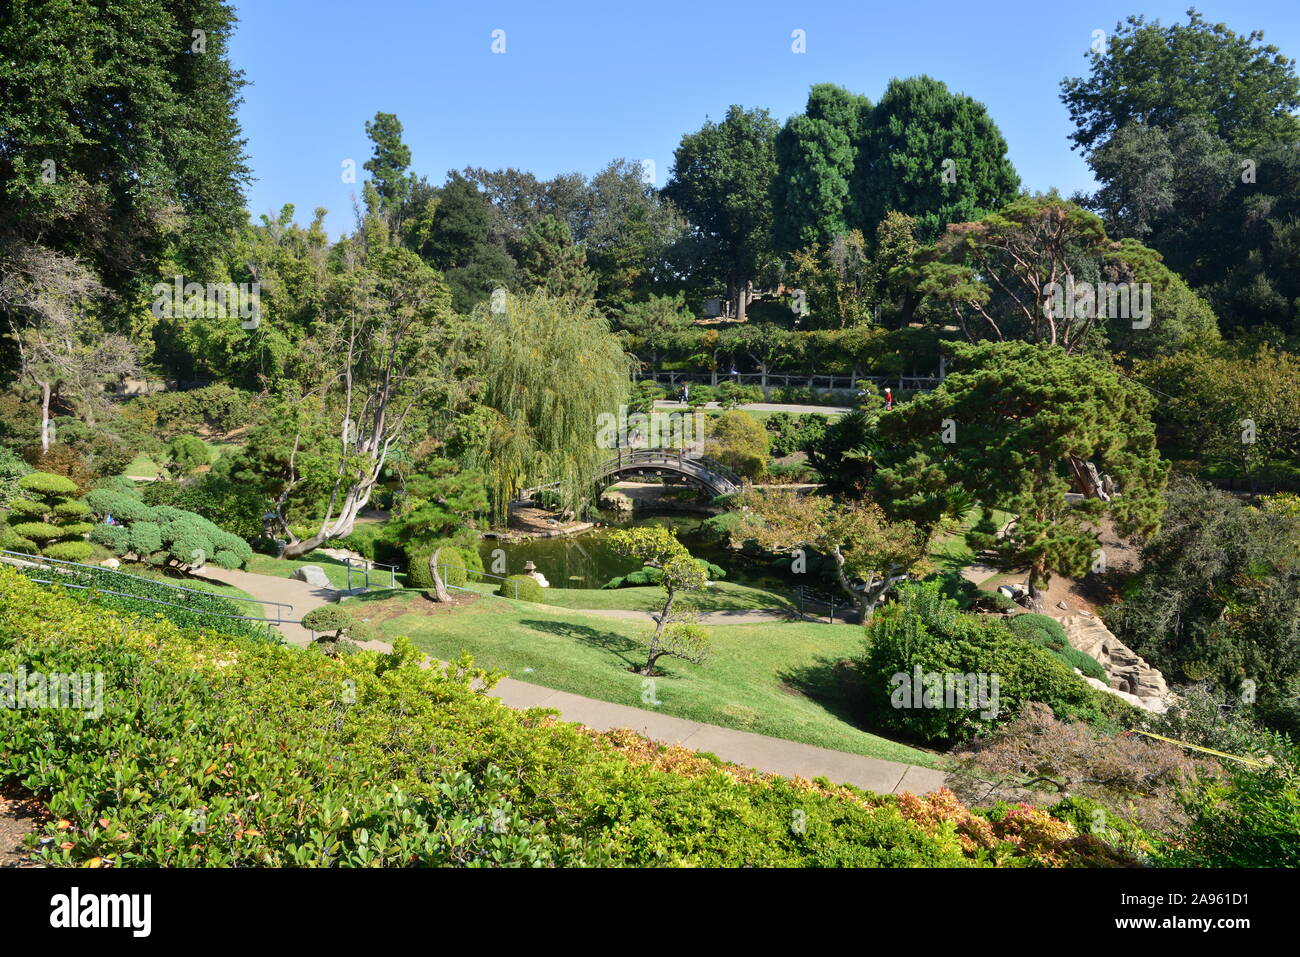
<point x="195" y="722"/>
<point x="523" y="587"/>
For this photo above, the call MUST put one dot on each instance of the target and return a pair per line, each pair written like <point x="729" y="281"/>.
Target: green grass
<point x="952" y="553"/>
<point x="147" y="467"/>
<point x="143" y="466"/>
<point x="334" y="569"/>
<point x="772" y="679"/>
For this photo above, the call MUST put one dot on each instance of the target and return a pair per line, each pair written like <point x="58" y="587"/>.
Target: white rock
<point x="312" y="575"/>
<point x="111" y="563"/>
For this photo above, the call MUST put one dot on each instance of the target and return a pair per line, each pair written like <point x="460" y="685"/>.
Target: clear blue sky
<point x="583" y="82"/>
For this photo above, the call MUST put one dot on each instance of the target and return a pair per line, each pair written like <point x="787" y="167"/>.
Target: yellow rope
<point x="1197" y="747"/>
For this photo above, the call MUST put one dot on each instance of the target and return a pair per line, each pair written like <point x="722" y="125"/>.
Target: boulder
<point x="312" y="575"/>
<point x="1130" y="675"/>
<point x="111" y="563"/>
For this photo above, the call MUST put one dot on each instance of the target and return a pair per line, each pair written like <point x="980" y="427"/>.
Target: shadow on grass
<point x="832" y="683"/>
<point x="609" y="641"/>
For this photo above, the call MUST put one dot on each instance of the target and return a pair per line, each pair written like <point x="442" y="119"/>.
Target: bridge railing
<point x="665" y="456"/>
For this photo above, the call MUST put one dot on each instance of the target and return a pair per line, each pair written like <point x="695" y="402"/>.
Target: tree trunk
<point x="1037" y="600"/>
<point x="440" y="592"/>
<point x="858" y="598"/>
<point x="45" y="416"/>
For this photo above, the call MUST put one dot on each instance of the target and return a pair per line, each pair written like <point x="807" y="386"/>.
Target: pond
<point x="588" y="561"/>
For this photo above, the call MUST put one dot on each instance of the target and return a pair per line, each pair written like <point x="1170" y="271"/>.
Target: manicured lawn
<point x="773" y="679"/>
<point x="334" y="570"/>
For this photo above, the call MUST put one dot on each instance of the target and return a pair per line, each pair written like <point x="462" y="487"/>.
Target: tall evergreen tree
<point x="932" y="154"/>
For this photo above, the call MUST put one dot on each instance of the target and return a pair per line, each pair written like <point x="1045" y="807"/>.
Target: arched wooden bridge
<point x="711" y="474"/>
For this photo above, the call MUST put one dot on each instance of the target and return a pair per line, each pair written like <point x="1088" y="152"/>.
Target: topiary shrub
<point x="73" y="551"/>
<point x="46" y="513"/>
<point x="336" y="627"/>
<point x="528" y="589"/>
<point x="113" y="537"/>
<point x="145" y="538"/>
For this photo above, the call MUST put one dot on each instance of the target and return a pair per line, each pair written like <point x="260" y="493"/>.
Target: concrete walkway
<point x="763" y="753"/>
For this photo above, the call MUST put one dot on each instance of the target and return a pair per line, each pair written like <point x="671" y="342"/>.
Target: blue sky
<point x="583" y="82"/>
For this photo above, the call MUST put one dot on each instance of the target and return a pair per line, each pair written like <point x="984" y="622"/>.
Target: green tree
<point x="393" y="352"/>
<point x="676" y="634"/>
<point x="856" y="536"/>
<point x="721" y="180"/>
<point x="391" y="158"/>
<point x="903" y="162"/>
<point x="460" y="243"/>
<point x="549" y="369"/>
<point x="1014" y="427"/>
<point x="738" y="441"/>
<point x="49" y="518"/>
<point x="119" y="142"/>
<point x="549" y="260"/>
<point x="1245" y="90"/>
<point x="1218" y="599"/>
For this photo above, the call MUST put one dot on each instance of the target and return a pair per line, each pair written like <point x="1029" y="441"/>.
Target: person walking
<point x="889" y="398"/>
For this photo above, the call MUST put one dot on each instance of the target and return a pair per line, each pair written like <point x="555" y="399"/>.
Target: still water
<point x="587" y="560"/>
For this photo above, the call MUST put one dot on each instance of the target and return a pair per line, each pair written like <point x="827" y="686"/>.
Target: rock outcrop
<point x="1130" y="676"/>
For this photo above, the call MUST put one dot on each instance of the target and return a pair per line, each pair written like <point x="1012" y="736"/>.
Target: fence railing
<point x="771" y="380"/>
<point x="442" y="573"/>
<point x="363" y="571"/>
<point x="94" y="571"/>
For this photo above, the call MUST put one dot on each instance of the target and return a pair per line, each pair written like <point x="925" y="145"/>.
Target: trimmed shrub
<point x="417" y="564"/>
<point x="123" y="506"/>
<point x="74" y="551"/>
<point x="529" y="589"/>
<point x="47" y="513"/>
<point x="145" y="538"/>
<point x="113" y="537"/>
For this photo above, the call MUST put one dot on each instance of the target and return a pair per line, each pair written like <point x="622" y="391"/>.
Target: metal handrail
<point x="100" y="569"/>
<point x="470" y="571"/>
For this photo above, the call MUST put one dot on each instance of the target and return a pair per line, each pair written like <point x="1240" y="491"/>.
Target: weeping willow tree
<point x="550" y="367"/>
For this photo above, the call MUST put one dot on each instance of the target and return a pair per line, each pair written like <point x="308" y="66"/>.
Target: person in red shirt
<point x="889" y="399"/>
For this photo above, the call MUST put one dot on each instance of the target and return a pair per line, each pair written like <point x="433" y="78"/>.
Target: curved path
<point x="758" y="751"/>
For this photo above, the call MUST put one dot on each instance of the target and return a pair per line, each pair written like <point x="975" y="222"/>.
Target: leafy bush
<point x="12" y="468"/>
<point x="528" y="589"/>
<point x="163" y="533"/>
<point x="113" y="537"/>
<point x="74" y="551"/>
<point x="185" y="453"/>
<point x="1047" y="632"/>
<point x="456" y="560"/>
<point x="228" y="505"/>
<point x="336" y="625"/>
<point x="922" y="631"/>
<point x="1248" y="818"/>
